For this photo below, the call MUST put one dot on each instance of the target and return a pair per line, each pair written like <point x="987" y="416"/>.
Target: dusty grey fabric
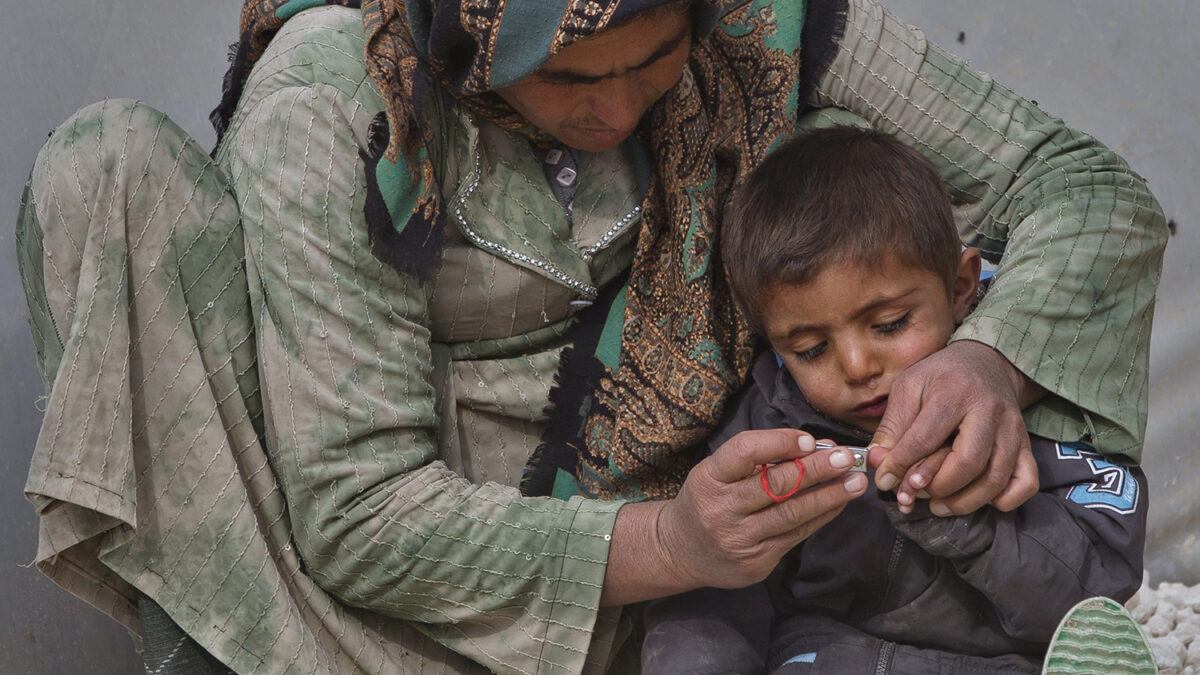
<point x="151" y="474"/>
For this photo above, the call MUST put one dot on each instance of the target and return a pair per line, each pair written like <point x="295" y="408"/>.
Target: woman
<point x="311" y="459"/>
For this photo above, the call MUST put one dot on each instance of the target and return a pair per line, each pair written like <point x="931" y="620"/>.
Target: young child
<point x="841" y="250"/>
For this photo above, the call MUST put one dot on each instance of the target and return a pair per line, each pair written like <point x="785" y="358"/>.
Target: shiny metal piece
<point x="860" y="455"/>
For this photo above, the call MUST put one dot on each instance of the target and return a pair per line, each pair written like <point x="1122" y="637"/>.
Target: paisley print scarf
<point x="655" y="361"/>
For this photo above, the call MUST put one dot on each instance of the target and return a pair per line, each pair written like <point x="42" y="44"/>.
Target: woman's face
<point x="592" y="93"/>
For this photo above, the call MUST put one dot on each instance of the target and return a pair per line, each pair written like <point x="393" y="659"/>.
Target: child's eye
<point x="811" y="353"/>
<point x="893" y="326"/>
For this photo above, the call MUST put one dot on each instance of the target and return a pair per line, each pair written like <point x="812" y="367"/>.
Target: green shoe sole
<point x="1098" y="636"/>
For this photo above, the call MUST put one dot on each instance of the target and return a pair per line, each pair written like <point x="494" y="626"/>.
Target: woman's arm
<point x="345" y="362"/>
<point x="1078" y="236"/>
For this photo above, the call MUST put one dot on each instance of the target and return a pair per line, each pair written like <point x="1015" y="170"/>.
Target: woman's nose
<point x="618" y="103"/>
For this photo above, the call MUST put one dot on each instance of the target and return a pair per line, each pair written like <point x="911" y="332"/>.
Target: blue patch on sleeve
<point x="810" y="657"/>
<point x="1114" y="487"/>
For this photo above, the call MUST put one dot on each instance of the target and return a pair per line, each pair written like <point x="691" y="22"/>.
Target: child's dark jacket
<point x="987" y="583"/>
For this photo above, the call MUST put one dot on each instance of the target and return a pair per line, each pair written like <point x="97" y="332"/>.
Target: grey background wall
<point x="1123" y="71"/>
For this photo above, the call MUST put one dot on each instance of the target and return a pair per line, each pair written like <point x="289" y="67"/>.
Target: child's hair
<point x="839" y="195"/>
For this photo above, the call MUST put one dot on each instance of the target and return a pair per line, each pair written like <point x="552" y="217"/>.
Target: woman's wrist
<point x="640" y="566"/>
<point x="1026" y="391"/>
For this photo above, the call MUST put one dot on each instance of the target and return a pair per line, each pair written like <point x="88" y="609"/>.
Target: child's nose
<point x="860" y="364"/>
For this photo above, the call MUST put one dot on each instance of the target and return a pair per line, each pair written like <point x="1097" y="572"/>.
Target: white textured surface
<point x="1168" y="614"/>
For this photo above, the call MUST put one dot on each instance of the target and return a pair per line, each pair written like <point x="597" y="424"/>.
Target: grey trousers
<point x="130" y="252"/>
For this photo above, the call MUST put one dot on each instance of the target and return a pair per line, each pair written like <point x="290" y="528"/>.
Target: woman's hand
<point x="723" y="530"/>
<point x="971" y="392"/>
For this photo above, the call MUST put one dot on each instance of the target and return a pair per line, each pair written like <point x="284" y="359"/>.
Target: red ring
<point x="783" y="497"/>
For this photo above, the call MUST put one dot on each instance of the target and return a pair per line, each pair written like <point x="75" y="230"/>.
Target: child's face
<point x="847" y="334"/>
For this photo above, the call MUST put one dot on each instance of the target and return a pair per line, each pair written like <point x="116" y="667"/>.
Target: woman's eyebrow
<point x="572" y="77"/>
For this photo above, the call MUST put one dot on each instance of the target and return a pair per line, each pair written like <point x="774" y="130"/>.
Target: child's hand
<point x="919" y="475"/>
<point x="912" y="486"/>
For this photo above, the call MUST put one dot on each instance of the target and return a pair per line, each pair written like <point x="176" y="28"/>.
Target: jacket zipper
<point x="893" y="565"/>
<point x="886" y="649"/>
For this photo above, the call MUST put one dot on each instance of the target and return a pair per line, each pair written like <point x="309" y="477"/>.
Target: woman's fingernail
<point x="904" y="498"/>
<point x="855" y="482"/>
<point x="887" y="481"/>
<point x="918" y="480"/>
<point x="841" y="459"/>
<point x="807" y="444"/>
<point x="939" y="509"/>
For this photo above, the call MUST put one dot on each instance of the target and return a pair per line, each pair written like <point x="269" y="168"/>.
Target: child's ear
<point x="966" y="280"/>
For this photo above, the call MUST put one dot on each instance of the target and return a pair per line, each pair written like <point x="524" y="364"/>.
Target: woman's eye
<point x="811" y="353"/>
<point x="571" y="80"/>
<point x="893" y="326"/>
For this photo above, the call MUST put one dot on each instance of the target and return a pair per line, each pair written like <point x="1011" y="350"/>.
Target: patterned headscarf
<point x="654" y="362"/>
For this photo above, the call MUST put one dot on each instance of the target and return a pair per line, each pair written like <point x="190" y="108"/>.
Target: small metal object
<point x="860" y="455"/>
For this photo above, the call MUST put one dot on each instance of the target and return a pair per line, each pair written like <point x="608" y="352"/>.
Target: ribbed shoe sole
<point x="1098" y="636"/>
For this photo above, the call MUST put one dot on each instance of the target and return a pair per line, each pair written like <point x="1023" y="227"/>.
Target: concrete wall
<point x="1123" y="71"/>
